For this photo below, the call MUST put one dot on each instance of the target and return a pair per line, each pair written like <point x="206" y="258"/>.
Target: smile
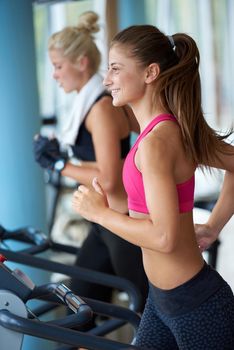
<point x="114" y="91"/>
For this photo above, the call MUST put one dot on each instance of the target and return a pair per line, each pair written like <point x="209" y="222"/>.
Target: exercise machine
<point x="16" y="319"/>
<point x="16" y="289"/>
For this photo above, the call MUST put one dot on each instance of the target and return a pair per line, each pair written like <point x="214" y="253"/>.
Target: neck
<point x="144" y="115"/>
<point x="86" y="76"/>
<point x="145" y="110"/>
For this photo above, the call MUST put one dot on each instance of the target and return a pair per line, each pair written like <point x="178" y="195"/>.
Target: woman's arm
<point x="102" y="123"/>
<point x="224" y="207"/>
<point x="82" y="173"/>
<point x="159" y="231"/>
<point x="222" y="212"/>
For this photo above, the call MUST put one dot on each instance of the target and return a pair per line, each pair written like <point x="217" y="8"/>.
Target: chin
<point x="67" y="91"/>
<point x="117" y="103"/>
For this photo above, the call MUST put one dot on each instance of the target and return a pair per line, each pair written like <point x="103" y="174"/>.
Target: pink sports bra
<point x="133" y="182"/>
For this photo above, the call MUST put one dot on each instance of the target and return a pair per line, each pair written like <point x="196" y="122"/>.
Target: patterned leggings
<point x="210" y="326"/>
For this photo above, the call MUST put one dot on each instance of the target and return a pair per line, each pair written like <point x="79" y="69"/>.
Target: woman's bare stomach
<point x="118" y="202"/>
<point x="169" y="270"/>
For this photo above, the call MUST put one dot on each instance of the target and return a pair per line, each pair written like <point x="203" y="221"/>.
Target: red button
<point x="2" y="258"/>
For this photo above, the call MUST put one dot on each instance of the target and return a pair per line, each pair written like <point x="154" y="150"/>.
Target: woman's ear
<point x="82" y="63"/>
<point x="152" y="72"/>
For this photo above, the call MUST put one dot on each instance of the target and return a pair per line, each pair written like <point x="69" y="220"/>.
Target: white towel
<point x="83" y="102"/>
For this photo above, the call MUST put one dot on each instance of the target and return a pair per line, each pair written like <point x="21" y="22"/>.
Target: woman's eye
<point x="115" y="69"/>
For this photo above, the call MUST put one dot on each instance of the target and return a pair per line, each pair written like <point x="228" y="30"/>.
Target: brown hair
<point x="75" y="41"/>
<point x="178" y="85"/>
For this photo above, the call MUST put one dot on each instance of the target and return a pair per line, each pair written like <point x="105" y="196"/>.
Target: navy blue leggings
<point x="210" y="326"/>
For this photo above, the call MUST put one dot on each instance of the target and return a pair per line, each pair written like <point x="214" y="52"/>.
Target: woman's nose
<point x="55" y="75"/>
<point x="106" y="80"/>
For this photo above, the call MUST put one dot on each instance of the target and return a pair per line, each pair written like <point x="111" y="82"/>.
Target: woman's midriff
<point x="118" y="202"/>
<point x="169" y="270"/>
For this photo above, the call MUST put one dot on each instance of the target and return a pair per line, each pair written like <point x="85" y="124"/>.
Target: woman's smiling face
<point x="125" y="78"/>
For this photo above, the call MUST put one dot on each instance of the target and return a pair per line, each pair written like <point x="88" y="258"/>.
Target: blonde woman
<point x="99" y="135"/>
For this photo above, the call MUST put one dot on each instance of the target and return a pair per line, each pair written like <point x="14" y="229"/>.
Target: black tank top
<point x="83" y="148"/>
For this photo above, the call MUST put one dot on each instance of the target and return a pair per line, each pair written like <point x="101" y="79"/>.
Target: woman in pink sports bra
<point x="189" y="305"/>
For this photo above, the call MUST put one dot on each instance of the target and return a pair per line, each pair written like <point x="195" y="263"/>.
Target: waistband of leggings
<point x="188" y="295"/>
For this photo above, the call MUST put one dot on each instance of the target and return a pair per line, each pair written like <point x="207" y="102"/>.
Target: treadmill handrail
<point x="80" y="272"/>
<point x="59" y="334"/>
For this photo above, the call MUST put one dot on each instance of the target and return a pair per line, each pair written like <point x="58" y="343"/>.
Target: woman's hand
<point x="90" y="202"/>
<point x="205" y="236"/>
<point x="47" y="152"/>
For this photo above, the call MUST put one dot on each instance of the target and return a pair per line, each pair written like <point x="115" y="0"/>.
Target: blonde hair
<point x="77" y="41"/>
